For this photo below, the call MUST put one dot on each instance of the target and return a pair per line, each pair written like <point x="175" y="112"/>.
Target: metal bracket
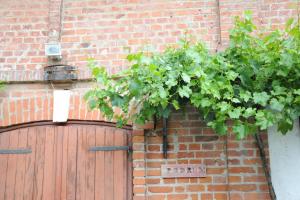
<point x="15" y="151"/>
<point x="110" y="148"/>
<point x="60" y="72"/>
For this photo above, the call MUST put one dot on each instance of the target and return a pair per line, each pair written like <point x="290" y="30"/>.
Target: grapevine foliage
<point x="255" y="82"/>
<point x="1" y="84"/>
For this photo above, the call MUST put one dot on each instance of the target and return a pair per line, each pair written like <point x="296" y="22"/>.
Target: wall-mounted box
<point x="52" y="49"/>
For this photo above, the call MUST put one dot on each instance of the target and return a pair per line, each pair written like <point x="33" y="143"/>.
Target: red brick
<point x="237" y="170"/>
<point x="138" y="139"/>
<point x="216" y="187"/>
<point x="255" y="196"/>
<point x="177" y="197"/>
<point x="254" y="179"/>
<point x="243" y="187"/>
<point x="196" y="188"/>
<point x="221" y="196"/>
<point x="206" y="196"/>
<point x="138" y="190"/>
<point x="160" y="189"/>
<point x="152" y="180"/>
<point x="156" y="197"/>
<point x="139" y="181"/>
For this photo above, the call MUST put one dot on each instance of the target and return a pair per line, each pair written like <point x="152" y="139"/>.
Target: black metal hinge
<point x="110" y="148"/>
<point x="15" y="151"/>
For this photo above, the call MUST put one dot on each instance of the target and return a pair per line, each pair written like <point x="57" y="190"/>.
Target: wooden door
<point x="58" y="162"/>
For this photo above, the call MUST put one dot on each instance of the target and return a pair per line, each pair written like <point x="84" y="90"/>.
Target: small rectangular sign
<point x="183" y="170"/>
<point x="61" y="104"/>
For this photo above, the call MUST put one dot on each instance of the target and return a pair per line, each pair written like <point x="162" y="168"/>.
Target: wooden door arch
<point x="42" y="160"/>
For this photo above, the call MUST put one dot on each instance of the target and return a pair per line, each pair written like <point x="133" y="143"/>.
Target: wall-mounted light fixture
<point x="53" y="51"/>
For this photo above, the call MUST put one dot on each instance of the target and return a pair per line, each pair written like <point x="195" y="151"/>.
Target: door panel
<point x="21" y="165"/>
<point x="4" y="144"/>
<point x="61" y="166"/>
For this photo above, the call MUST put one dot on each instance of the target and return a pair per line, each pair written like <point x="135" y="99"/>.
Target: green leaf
<point x="235" y="113"/>
<point x="134" y="87"/>
<point x="297" y="92"/>
<point x="285" y="125"/>
<point x="249" y="112"/>
<point x="245" y="95"/>
<point x="116" y="100"/>
<point x="240" y="130"/>
<point x="224" y="106"/>
<point x="220" y="127"/>
<point x="162" y="93"/>
<point x="261" y="98"/>
<point x="248" y="15"/>
<point x="186" y="78"/>
<point x="92" y="104"/>
<point x="205" y="102"/>
<point x="231" y="75"/>
<point x="184" y="91"/>
<point x="289" y="23"/>
<point x="175" y="104"/>
<point x="171" y="82"/>
<point x="276" y="105"/>
<point x="264" y="119"/>
<point x="235" y="100"/>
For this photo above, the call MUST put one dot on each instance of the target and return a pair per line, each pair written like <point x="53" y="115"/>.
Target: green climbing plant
<point x="254" y="83"/>
<point x="1" y="85"/>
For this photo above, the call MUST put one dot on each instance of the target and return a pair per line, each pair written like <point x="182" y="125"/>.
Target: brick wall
<point x="108" y="30"/>
<point x="23" y="103"/>
<point x="234" y="169"/>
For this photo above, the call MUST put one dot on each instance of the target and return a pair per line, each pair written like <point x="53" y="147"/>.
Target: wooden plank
<point x="109" y="165"/>
<point x="59" y="139"/>
<point x="4" y="144"/>
<point x="99" y="167"/>
<point x="11" y="166"/>
<point x="71" y="163"/>
<point x="64" y="168"/>
<point x="21" y="164"/>
<point x="55" y="162"/>
<point x="81" y="163"/>
<point x="90" y="164"/>
<point x="30" y="165"/>
<point x="39" y="163"/>
<point x="49" y="173"/>
<point x="128" y="160"/>
<point x="120" y="166"/>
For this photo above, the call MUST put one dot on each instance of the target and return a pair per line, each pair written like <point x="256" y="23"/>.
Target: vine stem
<point x="262" y="153"/>
<point x="165" y="138"/>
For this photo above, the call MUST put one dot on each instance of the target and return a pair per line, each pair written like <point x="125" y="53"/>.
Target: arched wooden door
<point x="87" y="162"/>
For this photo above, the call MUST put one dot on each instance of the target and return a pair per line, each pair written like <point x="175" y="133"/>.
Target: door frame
<point x="69" y="122"/>
<point x="84" y="122"/>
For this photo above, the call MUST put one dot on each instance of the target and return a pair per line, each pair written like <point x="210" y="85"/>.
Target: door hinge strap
<point x="110" y="148"/>
<point x="15" y="151"/>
